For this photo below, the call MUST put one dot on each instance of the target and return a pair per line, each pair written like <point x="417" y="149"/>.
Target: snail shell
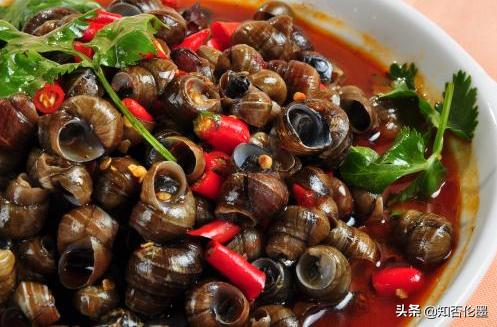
<point x="120" y="318"/>
<point x="352" y="242"/>
<point x="270" y="83"/>
<point x="37" y="255"/>
<point x="273" y="316"/>
<point x="83" y="129"/>
<point x="426" y="237"/>
<point x="361" y="112"/>
<point x="324" y="273"/>
<point x="217" y="304"/>
<point x="95" y="301"/>
<point x="298" y="76"/>
<point x="118" y="181"/>
<point x="279" y="282"/>
<point x="24" y="209"/>
<point x="167" y="208"/>
<point x="245" y="198"/>
<point x="239" y="58"/>
<point x="37" y="303"/>
<point x="294" y="230"/>
<point x="156" y="275"/>
<point x="56" y="174"/>
<point x="7" y="275"/>
<point x="247" y="243"/>
<point x="86" y="221"/>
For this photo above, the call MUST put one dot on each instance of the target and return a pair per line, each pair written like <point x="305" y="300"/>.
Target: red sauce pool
<point x="365" y="72"/>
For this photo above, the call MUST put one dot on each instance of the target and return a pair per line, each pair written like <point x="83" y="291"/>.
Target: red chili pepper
<point x="91" y="31"/>
<point x="159" y="51"/>
<point x="219" y="162"/>
<point x="223" y="133"/>
<point x="214" y="44"/>
<point x="81" y="47"/>
<point x="237" y="269"/>
<point x="194" y="41"/>
<point x="170" y="3"/>
<point x="222" y="32"/>
<point x="104" y="17"/>
<point x="209" y="185"/>
<point x="397" y="281"/>
<point x="49" y="98"/>
<point x="218" y="230"/>
<point x="137" y="110"/>
<point x="303" y="196"/>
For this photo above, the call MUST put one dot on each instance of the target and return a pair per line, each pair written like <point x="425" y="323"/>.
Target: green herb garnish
<point x="366" y="169"/>
<point x="24" y="68"/>
<point x="21" y="10"/>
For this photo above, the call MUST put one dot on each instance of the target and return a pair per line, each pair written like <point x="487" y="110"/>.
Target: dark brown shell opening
<point x="78" y="142"/>
<point x="308" y="125"/>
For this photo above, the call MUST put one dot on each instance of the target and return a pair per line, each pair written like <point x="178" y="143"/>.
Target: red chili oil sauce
<point x="368" y="74"/>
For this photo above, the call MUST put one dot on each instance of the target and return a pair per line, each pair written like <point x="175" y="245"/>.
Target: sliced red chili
<point x="91" y="31"/>
<point x="237" y="269"/>
<point x="218" y="230"/>
<point x="137" y="110"/>
<point x="222" y="32"/>
<point x="49" y="98"/>
<point x="159" y="51"/>
<point x="194" y="41"/>
<point x="219" y="162"/>
<point x="400" y="281"/>
<point x="303" y="196"/>
<point x="223" y="133"/>
<point x="170" y="3"/>
<point x="81" y="47"/>
<point x="209" y="185"/>
<point x="104" y="17"/>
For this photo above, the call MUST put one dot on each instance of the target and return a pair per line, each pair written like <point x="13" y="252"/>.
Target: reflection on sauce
<point x="363" y="71"/>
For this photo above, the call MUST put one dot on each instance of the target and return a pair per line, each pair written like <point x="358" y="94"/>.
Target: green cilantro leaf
<point x="21" y="10"/>
<point x="364" y="168"/>
<point x="125" y="41"/>
<point x="404" y="73"/>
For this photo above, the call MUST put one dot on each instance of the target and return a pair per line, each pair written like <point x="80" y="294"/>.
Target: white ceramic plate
<point x="393" y="31"/>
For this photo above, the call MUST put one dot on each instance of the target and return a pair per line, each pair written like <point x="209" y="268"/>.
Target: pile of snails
<point x="93" y="222"/>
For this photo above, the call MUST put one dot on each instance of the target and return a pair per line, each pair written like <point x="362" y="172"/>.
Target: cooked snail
<point x="167" y="207"/>
<point x="24" y="209"/>
<point x="83" y="129"/>
<point x="7" y="275"/>
<point x="197" y="18"/>
<point x="270" y="83"/>
<point x="367" y="205"/>
<point x="321" y="64"/>
<point x="37" y="303"/>
<point x="205" y="212"/>
<point x="156" y="275"/>
<point x="37" y="256"/>
<point x="240" y="58"/>
<point x="134" y="7"/>
<point x="362" y="115"/>
<point x="56" y="174"/>
<point x="190" y="62"/>
<point x="294" y="230"/>
<point x="247" y="243"/>
<point x="83" y="222"/>
<point x="352" y="242"/>
<point x="46" y="20"/>
<point x="273" y="8"/>
<point x="298" y="76"/>
<point x="323" y="273"/>
<point x="118" y="181"/>
<point x="210" y="54"/>
<point x="246" y="198"/>
<point x="82" y="82"/>
<point x="273" y="316"/>
<point x="187" y="96"/>
<point x="426" y="237"/>
<point x="95" y="301"/>
<point x="278" y="288"/>
<point x="121" y="318"/>
<point x="342" y="197"/>
<point x="83" y="262"/>
<point x="251" y="158"/>
<point x="175" y="25"/>
<point x="217" y="304"/>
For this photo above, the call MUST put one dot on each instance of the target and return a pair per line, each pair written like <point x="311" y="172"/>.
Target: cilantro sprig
<point x="24" y="68"/>
<point x="366" y="169"/>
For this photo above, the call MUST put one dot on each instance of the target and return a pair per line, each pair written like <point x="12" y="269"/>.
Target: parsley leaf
<point x="364" y="168"/>
<point x="404" y="73"/>
<point x="21" y="10"/>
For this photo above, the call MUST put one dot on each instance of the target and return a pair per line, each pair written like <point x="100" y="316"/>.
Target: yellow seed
<point x="138" y="171"/>
<point x="265" y="161"/>
<point x="105" y="163"/>
<point x="401" y="293"/>
<point x="299" y="97"/>
<point x="163" y="196"/>
<point x="147" y="245"/>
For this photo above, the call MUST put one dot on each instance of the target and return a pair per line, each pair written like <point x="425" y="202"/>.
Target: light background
<point x="474" y="25"/>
